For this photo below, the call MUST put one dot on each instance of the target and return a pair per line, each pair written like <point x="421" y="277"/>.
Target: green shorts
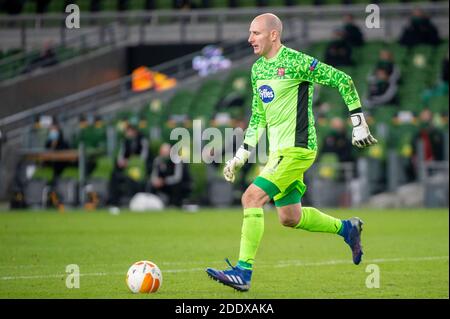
<point x="282" y="177"/>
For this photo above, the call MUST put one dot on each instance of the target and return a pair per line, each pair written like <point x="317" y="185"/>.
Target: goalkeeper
<point x="282" y="81"/>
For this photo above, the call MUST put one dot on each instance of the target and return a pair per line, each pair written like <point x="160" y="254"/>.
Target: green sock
<point x="252" y="231"/>
<point x="315" y="221"/>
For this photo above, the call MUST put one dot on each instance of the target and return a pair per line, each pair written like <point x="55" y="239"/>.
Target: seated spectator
<point x="352" y="33"/>
<point x="46" y="58"/>
<point x="338" y="52"/>
<point x="338" y="141"/>
<point x="55" y="142"/>
<point x="381" y="90"/>
<point x="441" y="88"/>
<point x="122" y="183"/>
<point x="386" y="62"/>
<point x="431" y="137"/>
<point x="169" y="180"/>
<point x="420" y="30"/>
<point x="55" y="139"/>
<point x="134" y="143"/>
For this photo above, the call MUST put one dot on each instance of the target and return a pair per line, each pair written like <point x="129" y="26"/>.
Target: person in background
<point x="47" y="57"/>
<point x="431" y="137"/>
<point x="352" y="33"/>
<point x="420" y="30"/>
<point x="170" y="178"/>
<point x="381" y="90"/>
<point x="338" y="142"/>
<point x="441" y="87"/>
<point x="383" y="83"/>
<point x="338" y="51"/>
<point x="133" y="144"/>
<point x="386" y="62"/>
<point x="55" y="139"/>
<point x="56" y="142"/>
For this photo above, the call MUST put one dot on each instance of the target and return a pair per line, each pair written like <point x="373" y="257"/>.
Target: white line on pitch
<point x="288" y="263"/>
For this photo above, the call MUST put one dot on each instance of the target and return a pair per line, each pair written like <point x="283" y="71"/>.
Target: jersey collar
<point x="273" y="59"/>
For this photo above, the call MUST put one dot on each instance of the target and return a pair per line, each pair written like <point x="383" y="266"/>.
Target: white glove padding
<point x="361" y="136"/>
<point x="234" y="164"/>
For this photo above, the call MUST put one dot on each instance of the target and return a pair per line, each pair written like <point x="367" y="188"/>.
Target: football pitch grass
<point x="410" y="249"/>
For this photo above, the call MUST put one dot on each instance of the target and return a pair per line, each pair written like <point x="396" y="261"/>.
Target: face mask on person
<point x="53" y="135"/>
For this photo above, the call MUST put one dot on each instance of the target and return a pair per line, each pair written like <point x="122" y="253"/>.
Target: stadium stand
<point x="395" y="124"/>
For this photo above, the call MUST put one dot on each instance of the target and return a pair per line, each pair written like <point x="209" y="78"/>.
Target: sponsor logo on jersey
<point x="313" y="65"/>
<point x="266" y="93"/>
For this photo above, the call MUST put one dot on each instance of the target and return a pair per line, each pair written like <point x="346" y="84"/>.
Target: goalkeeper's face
<point x="261" y="39"/>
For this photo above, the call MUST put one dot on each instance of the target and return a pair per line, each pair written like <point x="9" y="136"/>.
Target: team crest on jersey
<point x="266" y="93"/>
<point x="281" y="71"/>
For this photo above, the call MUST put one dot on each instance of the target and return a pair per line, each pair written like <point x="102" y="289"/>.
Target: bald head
<point x="265" y="35"/>
<point x="271" y="22"/>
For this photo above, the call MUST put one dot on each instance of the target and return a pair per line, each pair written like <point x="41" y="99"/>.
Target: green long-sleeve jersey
<point x="283" y="88"/>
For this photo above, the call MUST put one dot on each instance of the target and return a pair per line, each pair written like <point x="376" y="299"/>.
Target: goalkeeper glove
<point x="361" y="136"/>
<point x="234" y="164"/>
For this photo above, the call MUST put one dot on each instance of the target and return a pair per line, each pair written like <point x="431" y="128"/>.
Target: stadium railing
<point x="184" y="25"/>
<point x="69" y="46"/>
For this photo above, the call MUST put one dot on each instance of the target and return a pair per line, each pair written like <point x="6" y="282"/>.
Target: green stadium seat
<point x="66" y="187"/>
<point x="70" y="172"/>
<point x="29" y="7"/>
<point x="322" y="130"/>
<point x="334" y="99"/>
<point x="137" y="5"/>
<point x="36" y="189"/>
<point x="180" y="103"/>
<point x="206" y="99"/>
<point x="92" y="137"/>
<point x="237" y="81"/>
<point x="136" y="169"/>
<point x="401" y="137"/>
<point x="103" y="168"/>
<point x="153" y="112"/>
<point x="439" y="104"/>
<point x="200" y="182"/>
<point x="56" y="6"/>
<point x="328" y="166"/>
<point x="317" y="49"/>
<point x="385" y="114"/>
<point x="163" y="4"/>
<point x="45" y="173"/>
